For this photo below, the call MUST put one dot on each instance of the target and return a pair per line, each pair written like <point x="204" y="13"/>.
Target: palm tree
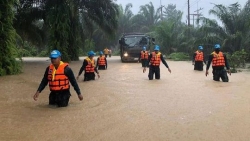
<point x="151" y="15"/>
<point x="234" y="26"/>
<point x="125" y="17"/>
<point x="98" y="17"/>
<point x="66" y="21"/>
<point x="29" y="23"/>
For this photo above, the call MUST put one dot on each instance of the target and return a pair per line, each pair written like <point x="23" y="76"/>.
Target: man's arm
<point x="226" y="62"/>
<point x="84" y="64"/>
<point x="164" y="61"/>
<point x="96" y="70"/>
<point x="69" y="73"/>
<point x="97" y="62"/>
<point x="44" y="81"/>
<point x="204" y="59"/>
<point x="106" y="63"/>
<point x="210" y="58"/>
<point x="149" y="58"/>
<point x="139" y="58"/>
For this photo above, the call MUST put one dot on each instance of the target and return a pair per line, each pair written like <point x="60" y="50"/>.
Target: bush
<point x="44" y="53"/>
<point x="28" y="50"/>
<point x="116" y="52"/>
<point x="237" y="59"/>
<point x="179" y="56"/>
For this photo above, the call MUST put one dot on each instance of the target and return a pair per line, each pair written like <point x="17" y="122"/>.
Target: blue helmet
<point x="144" y="48"/>
<point x="55" y="54"/>
<point x="101" y="53"/>
<point x="91" y="53"/>
<point x="217" y="46"/>
<point x="157" y="48"/>
<point x="200" y="47"/>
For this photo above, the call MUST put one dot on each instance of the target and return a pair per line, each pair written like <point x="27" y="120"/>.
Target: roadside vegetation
<point x="35" y="27"/>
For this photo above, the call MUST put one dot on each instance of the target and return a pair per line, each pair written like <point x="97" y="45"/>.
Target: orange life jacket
<point x="199" y="56"/>
<point x="91" y="65"/>
<point x="102" y="61"/>
<point x="106" y="51"/>
<point x="57" y="79"/>
<point x="218" y="59"/>
<point x="156" y="59"/>
<point x="144" y="54"/>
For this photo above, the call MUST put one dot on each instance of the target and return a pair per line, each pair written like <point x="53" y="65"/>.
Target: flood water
<point x="123" y="105"/>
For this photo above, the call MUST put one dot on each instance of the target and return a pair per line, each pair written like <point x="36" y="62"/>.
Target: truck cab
<point x="131" y="45"/>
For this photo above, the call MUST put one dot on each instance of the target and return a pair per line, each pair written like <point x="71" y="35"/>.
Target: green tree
<point x="125" y="19"/>
<point x="29" y="22"/>
<point x="8" y="63"/>
<point x="65" y="22"/>
<point x="151" y="15"/>
<point x="59" y="23"/>
<point x="172" y="14"/>
<point x="231" y="32"/>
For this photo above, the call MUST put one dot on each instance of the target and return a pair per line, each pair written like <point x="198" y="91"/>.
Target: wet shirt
<point x="68" y="72"/>
<point x="210" y="59"/>
<point x="84" y="64"/>
<point x="162" y="59"/>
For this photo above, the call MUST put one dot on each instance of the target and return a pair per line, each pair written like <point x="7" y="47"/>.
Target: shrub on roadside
<point x="178" y="56"/>
<point x="237" y="60"/>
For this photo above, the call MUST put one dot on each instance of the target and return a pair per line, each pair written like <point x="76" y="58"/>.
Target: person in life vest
<point x="89" y="67"/>
<point x="58" y="74"/>
<point x="102" y="63"/>
<point x="144" y="57"/>
<point x="106" y="52"/>
<point x="219" y="62"/>
<point x="198" y="59"/>
<point x="110" y="52"/>
<point x="154" y="61"/>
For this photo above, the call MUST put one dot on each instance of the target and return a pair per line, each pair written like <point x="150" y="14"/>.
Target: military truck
<point x="131" y="45"/>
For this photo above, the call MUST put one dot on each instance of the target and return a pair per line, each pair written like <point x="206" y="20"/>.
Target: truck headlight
<point x="125" y="54"/>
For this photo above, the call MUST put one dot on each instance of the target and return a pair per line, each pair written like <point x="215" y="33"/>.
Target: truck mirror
<point x="122" y="41"/>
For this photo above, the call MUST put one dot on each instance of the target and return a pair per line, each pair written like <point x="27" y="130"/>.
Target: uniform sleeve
<point x="44" y="81"/>
<point x="210" y="58"/>
<point x="226" y="62"/>
<point x="164" y="61"/>
<point x="84" y="64"/>
<point x="69" y="73"/>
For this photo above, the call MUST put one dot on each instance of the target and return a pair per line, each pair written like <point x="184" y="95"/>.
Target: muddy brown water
<point x="123" y="105"/>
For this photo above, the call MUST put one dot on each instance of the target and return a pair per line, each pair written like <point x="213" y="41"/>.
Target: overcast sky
<point x="182" y="5"/>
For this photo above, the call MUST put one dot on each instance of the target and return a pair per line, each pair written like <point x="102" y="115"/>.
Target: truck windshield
<point x="132" y="41"/>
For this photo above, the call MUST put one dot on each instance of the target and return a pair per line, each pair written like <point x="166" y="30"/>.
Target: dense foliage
<point x="76" y="26"/>
<point x="8" y="51"/>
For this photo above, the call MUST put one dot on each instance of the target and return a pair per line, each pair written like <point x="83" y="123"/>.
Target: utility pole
<point x="161" y="6"/>
<point x="193" y="17"/>
<point x="198" y="15"/>
<point x="188" y="13"/>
